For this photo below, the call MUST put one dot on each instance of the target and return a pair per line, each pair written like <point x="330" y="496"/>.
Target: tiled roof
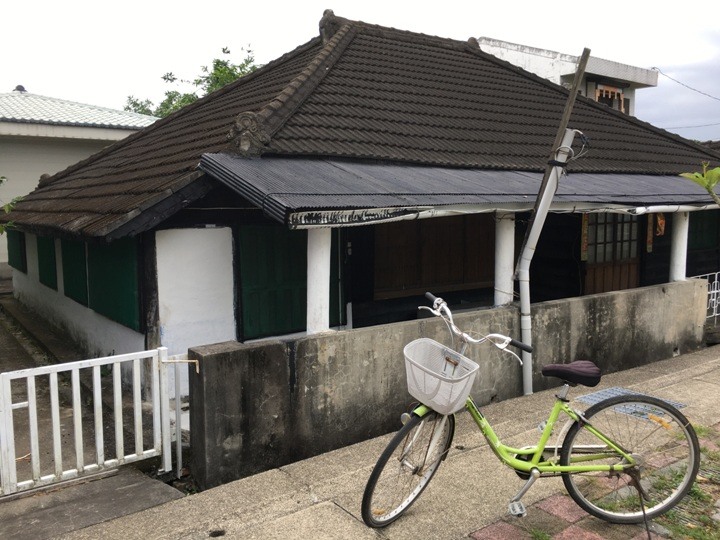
<point x="357" y="91"/>
<point x="21" y="106"/>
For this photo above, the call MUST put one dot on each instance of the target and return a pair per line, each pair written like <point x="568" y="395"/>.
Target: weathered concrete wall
<point x="620" y="330"/>
<point x="258" y="406"/>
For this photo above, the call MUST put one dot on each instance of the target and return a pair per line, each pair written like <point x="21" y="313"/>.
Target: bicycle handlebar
<point x="441" y="309"/>
<point x="520" y="345"/>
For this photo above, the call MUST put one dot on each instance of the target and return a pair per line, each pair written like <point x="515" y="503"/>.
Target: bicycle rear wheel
<point x="406" y="467"/>
<point x="661" y="441"/>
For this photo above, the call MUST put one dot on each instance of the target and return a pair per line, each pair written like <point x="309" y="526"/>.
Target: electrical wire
<point x="685" y="85"/>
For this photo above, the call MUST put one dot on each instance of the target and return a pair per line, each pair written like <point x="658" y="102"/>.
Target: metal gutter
<point x="353" y="218"/>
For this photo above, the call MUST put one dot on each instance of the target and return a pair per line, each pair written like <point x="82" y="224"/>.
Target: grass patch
<point x="537" y="534"/>
<point x="691" y="518"/>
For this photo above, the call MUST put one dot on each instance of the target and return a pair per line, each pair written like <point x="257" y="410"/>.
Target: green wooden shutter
<point x="47" y="268"/>
<point x="273" y="269"/>
<point x="113" y="281"/>
<point x="704" y="230"/>
<point x="74" y="264"/>
<point x="17" y="257"/>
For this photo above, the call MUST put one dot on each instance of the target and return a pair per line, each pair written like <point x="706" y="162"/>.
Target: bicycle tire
<point x="405" y="468"/>
<point x="657" y="435"/>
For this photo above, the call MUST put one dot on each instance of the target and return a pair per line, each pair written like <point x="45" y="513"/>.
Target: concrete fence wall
<point x="259" y="406"/>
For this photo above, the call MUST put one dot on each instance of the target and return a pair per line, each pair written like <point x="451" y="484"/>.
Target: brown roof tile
<point x="357" y="91"/>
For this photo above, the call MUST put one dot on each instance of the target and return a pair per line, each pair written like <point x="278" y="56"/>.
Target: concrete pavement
<point x="320" y="497"/>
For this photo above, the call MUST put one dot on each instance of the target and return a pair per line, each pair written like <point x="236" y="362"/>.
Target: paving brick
<point x="563" y="507"/>
<point x="500" y="529"/>
<point x="642" y="535"/>
<point x="573" y="532"/>
<point x="611" y="531"/>
<point x="538" y="520"/>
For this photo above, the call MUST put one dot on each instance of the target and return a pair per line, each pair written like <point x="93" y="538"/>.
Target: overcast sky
<point x="101" y="52"/>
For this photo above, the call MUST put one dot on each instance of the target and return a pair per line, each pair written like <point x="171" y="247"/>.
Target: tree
<point x="221" y="72"/>
<point x="708" y="179"/>
<point x="7" y="207"/>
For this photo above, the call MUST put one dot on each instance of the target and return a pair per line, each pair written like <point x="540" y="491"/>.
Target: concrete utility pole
<point x="560" y="153"/>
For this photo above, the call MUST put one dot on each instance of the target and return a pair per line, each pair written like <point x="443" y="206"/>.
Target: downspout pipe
<point x="559" y="154"/>
<point x="523" y="267"/>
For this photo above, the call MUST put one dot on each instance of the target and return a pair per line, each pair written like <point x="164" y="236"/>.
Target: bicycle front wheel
<point x="406" y="467"/>
<point x="662" y="443"/>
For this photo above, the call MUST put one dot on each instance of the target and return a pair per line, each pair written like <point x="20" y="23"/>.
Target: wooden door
<point x="610" y="246"/>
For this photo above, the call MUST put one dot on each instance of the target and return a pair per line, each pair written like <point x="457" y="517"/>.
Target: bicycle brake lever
<point x="503" y="347"/>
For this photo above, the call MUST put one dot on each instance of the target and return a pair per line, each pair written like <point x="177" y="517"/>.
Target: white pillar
<point x="504" y="257"/>
<point x="318" y="280"/>
<point x="678" y="247"/>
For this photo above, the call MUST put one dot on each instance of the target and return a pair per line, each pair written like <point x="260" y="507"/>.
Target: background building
<point x="44" y="135"/>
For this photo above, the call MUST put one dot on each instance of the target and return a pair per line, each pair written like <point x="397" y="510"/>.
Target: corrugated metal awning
<point x="324" y="192"/>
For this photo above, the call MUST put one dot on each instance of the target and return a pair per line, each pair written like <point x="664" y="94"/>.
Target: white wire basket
<point x="438" y="376"/>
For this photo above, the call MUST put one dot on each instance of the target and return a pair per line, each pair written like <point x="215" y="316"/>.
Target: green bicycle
<point x="626" y="459"/>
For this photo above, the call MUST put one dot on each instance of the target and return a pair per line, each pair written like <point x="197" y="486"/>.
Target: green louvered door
<point x="273" y="266"/>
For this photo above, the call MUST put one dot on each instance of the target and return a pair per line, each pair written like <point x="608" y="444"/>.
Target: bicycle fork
<point x="434" y="441"/>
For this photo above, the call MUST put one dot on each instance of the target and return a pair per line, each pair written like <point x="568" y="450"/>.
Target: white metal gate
<point x="52" y="418"/>
<point x="713" y="303"/>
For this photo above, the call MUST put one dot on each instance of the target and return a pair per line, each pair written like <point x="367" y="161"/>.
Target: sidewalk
<point x="319" y="498"/>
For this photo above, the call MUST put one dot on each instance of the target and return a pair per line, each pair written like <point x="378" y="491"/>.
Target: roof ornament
<point x="20" y="88"/>
<point x="248" y="135"/>
<point x="44" y="180"/>
<point x="329" y="25"/>
<point x="474" y="43"/>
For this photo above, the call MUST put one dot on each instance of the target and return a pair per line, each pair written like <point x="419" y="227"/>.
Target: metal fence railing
<point x="713" y="301"/>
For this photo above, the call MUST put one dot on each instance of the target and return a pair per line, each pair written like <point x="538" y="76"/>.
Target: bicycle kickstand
<point x="516" y="507"/>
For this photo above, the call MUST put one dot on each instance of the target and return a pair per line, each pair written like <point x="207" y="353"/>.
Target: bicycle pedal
<point x="517" y="509"/>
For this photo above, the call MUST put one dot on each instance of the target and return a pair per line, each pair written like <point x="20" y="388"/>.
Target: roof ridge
<point x="181" y="112"/>
<point x="252" y="131"/>
<point x="27" y="95"/>
<point x="592" y="103"/>
<point x="714" y="154"/>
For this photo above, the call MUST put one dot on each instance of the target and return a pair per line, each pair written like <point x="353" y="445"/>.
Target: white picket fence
<point x="88" y="411"/>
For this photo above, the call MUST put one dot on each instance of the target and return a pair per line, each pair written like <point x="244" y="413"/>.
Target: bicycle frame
<point x="549" y="467"/>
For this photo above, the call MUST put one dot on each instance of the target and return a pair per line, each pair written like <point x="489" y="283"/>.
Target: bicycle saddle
<point x="582" y="372"/>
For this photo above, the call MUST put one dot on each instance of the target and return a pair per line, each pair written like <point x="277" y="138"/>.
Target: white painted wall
<point x="195" y="287"/>
<point x="98" y="335"/>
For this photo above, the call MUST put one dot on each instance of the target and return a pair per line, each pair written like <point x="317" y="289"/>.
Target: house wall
<point x="195" y="293"/>
<point x="259" y="406"/>
<point x="25" y="159"/>
<point x="94" y="333"/>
